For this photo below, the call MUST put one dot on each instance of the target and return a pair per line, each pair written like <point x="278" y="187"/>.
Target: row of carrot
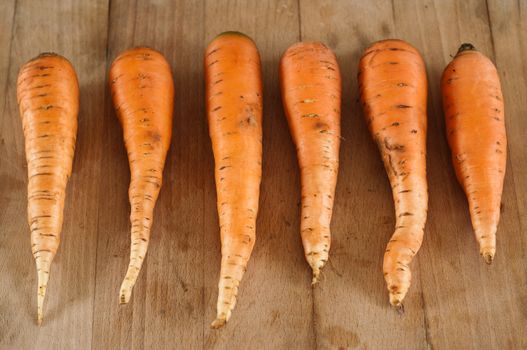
<point x="393" y="94"/>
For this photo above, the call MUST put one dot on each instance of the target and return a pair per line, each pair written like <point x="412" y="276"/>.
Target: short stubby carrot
<point x="475" y="123"/>
<point x="393" y="89"/>
<point x="311" y="93"/>
<point x="48" y="99"/>
<point x="143" y="96"/>
<point x="234" y="107"/>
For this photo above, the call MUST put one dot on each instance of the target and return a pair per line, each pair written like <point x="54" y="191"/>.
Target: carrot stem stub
<point x="48" y="99"/>
<point x="143" y="96"/>
<point x="234" y="108"/>
<point x="311" y="93"/>
<point x="475" y="123"/>
<point x="393" y="88"/>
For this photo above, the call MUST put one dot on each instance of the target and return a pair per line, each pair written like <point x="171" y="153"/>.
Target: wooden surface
<point x="455" y="302"/>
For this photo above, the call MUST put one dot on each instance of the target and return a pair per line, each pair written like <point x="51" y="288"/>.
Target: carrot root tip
<point x="488" y="257"/>
<point x="399" y="308"/>
<point x="125" y="294"/>
<point x="396" y="300"/>
<point x="41" y="294"/>
<point x="316" y="276"/>
<point x="219" y="322"/>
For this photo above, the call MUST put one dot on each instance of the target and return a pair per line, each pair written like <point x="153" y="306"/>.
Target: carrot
<point x="311" y="92"/>
<point x="234" y="108"/>
<point x="48" y="99"/>
<point x="143" y="95"/>
<point x="393" y="88"/>
<point x="475" y="123"/>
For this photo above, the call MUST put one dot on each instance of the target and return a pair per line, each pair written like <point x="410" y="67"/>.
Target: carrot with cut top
<point x="143" y="95"/>
<point x="311" y="93"/>
<point x="393" y="88"/>
<point x="48" y="99"/>
<point x="234" y="108"/>
<point x="475" y="123"/>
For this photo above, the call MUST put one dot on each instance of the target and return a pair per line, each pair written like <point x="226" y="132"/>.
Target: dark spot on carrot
<point x="403" y="106"/>
<point x="393" y="147"/>
<point x="155" y="136"/>
<point x="213" y="51"/>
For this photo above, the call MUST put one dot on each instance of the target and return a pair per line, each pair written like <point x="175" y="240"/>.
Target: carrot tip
<point x="396" y="300"/>
<point x="41" y="294"/>
<point x="316" y="277"/>
<point x="466" y="47"/>
<point x="399" y="308"/>
<point x="125" y="294"/>
<point x="488" y="257"/>
<point x="218" y="323"/>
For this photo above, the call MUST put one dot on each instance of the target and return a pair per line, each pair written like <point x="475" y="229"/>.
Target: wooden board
<point x="455" y="300"/>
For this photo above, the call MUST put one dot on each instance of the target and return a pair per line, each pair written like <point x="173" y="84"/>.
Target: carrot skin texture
<point x="142" y="90"/>
<point x="234" y="107"/>
<point x="475" y="124"/>
<point x="48" y="99"/>
<point x="393" y="88"/>
<point x="311" y="93"/>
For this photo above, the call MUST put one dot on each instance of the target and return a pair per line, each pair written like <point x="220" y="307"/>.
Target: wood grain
<point x="455" y="300"/>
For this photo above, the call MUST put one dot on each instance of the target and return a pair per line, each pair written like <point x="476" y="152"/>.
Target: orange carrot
<point x="48" y="99"/>
<point x="143" y="95"/>
<point x="393" y="88"/>
<point x="475" y="123"/>
<point x="311" y="92"/>
<point x="234" y="106"/>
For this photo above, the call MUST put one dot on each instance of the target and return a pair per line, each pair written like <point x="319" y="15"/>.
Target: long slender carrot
<point x="234" y="106"/>
<point x="393" y="88"/>
<point x="311" y="92"/>
<point x="48" y="99"/>
<point x="475" y="122"/>
<point x="143" y="95"/>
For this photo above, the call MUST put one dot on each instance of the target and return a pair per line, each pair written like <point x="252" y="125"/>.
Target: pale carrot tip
<point x="399" y="308"/>
<point x="488" y="257"/>
<point x="39" y="317"/>
<point x="396" y="300"/>
<point x="218" y="323"/>
<point x="124" y="295"/>
<point x="41" y="294"/>
<point x="316" y="277"/>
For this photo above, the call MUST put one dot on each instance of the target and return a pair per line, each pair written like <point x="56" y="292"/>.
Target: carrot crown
<point x="466" y="47"/>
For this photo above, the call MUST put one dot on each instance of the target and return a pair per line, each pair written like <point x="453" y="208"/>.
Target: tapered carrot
<point x="475" y="122"/>
<point x="393" y="88"/>
<point x="48" y="99"/>
<point x="143" y="95"/>
<point x="311" y="92"/>
<point x="234" y="107"/>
